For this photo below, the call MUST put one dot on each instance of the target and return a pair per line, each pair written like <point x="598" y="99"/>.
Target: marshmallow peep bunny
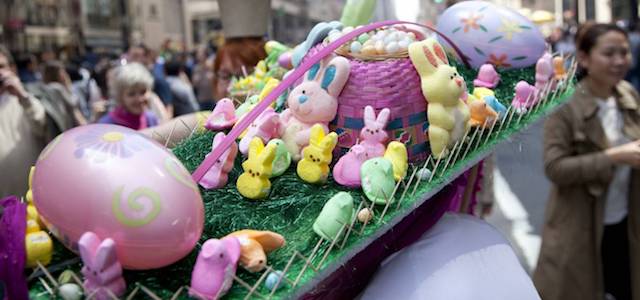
<point x="314" y="101"/>
<point x="254" y="182"/>
<point x="102" y="270"/>
<point x="442" y="86"/>
<point x="314" y="167"/>
<point x="212" y="276"/>
<point x="218" y="174"/>
<point x="373" y="136"/>
<point x="266" y="127"/>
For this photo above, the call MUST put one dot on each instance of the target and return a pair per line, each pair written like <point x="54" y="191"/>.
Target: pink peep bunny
<point x="314" y="101"/>
<point x="347" y="170"/>
<point x="215" y="267"/>
<point x="102" y="270"/>
<point x="544" y="71"/>
<point x="217" y="175"/>
<point x="373" y="136"/>
<point x="266" y="127"/>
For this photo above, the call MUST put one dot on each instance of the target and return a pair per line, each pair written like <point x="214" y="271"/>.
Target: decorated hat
<point x="244" y="18"/>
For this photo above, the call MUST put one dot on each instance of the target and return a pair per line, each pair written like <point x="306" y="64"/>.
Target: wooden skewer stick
<point x="246" y="285"/>
<point x="464" y="138"/>
<point x="473" y="138"/>
<point x="436" y="166"/>
<point x="490" y="132"/>
<point x="284" y="274"/>
<point x="133" y="293"/>
<point x="46" y="286"/>
<point x="389" y="199"/>
<point x="333" y="243"/>
<point x="367" y="220"/>
<point x="170" y="134"/>
<point x="415" y="187"/>
<point x="446" y="164"/>
<point x="146" y="290"/>
<point x="353" y="221"/>
<point x="257" y="284"/>
<point x="299" y="255"/>
<point x="304" y="267"/>
<point x="44" y="270"/>
<point x="479" y="141"/>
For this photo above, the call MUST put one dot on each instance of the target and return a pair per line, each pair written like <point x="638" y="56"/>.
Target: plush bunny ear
<point x="313" y="72"/>
<point x="255" y="147"/>
<point x="88" y="246"/>
<point x="383" y="117"/>
<point x="335" y="75"/>
<point x="317" y="134"/>
<point x="439" y="52"/>
<point x="106" y="254"/>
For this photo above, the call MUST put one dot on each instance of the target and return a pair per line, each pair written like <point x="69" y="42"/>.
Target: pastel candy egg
<point x="334" y="31"/>
<point x="392" y="37"/>
<point x="403" y="45"/>
<point x="424" y="174"/>
<point x="392" y="47"/>
<point x="363" y="38"/>
<point x="489" y="33"/>
<point x="356" y="47"/>
<point x="347" y="29"/>
<point x="365" y="215"/>
<point x="117" y="183"/>
<point x="369" y="50"/>
<point x="333" y="37"/>
<point x="70" y="291"/>
<point x="379" y="47"/>
<point x="272" y="279"/>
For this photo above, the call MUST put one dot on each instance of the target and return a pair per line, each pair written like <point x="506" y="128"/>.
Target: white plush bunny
<point x="314" y="101"/>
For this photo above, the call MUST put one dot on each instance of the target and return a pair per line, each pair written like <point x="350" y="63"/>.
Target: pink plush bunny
<point x="217" y="175"/>
<point x="525" y="96"/>
<point x="215" y="267"/>
<point x="266" y="127"/>
<point x="223" y="115"/>
<point x="373" y="136"/>
<point x="347" y="170"/>
<point x="314" y="101"/>
<point x="102" y="270"/>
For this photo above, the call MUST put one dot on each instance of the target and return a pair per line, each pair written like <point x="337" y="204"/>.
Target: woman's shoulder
<point x="625" y="88"/>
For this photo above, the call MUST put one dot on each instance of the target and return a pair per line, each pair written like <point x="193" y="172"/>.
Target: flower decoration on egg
<point x="509" y="28"/>
<point x="101" y="146"/>
<point x="499" y="61"/>
<point x="471" y="22"/>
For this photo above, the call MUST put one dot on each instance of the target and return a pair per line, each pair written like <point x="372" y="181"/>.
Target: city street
<point x="521" y="192"/>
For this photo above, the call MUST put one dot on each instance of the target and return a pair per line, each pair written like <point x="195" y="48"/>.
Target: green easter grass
<point x="293" y="206"/>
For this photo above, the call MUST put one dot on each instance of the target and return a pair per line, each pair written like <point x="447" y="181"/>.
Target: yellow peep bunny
<point x="314" y="167"/>
<point x="254" y="182"/>
<point x="442" y="86"/>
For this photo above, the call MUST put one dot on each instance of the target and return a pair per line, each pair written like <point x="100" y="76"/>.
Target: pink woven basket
<point x="391" y="83"/>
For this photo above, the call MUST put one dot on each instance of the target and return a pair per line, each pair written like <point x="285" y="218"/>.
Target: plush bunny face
<point x="441" y="83"/>
<point x="315" y="99"/>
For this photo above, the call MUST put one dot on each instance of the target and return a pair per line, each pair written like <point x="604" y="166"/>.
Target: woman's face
<point x="134" y="99"/>
<point x="227" y="71"/>
<point x="609" y="60"/>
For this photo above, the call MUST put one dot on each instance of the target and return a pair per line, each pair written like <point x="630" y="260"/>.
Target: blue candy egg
<point x="272" y="279"/>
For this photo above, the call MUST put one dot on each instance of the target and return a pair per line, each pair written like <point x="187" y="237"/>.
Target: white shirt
<point x="616" y="205"/>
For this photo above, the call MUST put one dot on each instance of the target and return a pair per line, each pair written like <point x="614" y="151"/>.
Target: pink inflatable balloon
<point x="118" y="184"/>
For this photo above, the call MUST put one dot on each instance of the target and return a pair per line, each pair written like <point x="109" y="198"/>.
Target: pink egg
<point x="119" y="184"/>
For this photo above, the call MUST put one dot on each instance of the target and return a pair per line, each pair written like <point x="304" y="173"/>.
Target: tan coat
<point x="570" y="265"/>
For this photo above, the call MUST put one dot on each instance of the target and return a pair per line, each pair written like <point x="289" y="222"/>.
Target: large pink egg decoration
<point x="116" y="183"/>
<point x="488" y="33"/>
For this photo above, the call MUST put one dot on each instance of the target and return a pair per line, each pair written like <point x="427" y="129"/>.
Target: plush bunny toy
<point x="102" y="270"/>
<point x="442" y="86"/>
<point x="314" y="101"/>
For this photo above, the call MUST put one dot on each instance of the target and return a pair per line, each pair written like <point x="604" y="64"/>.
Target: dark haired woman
<point x="591" y="237"/>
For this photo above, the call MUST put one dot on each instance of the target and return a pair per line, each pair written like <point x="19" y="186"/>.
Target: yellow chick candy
<point x="480" y="92"/>
<point x="254" y="182"/>
<point x="314" y="167"/>
<point x="396" y="153"/>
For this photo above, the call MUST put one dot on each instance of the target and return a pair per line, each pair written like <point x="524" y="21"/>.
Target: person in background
<point x="22" y="129"/>
<point x="86" y="91"/>
<point x="202" y="79"/>
<point x="591" y="236"/>
<point x="184" y="100"/>
<point x="27" y="65"/>
<point x="243" y="47"/>
<point x="142" y="55"/>
<point x="59" y="86"/>
<point x="131" y="85"/>
<point x="634" y="42"/>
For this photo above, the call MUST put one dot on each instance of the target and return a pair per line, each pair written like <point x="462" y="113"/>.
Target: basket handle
<point x="291" y="79"/>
